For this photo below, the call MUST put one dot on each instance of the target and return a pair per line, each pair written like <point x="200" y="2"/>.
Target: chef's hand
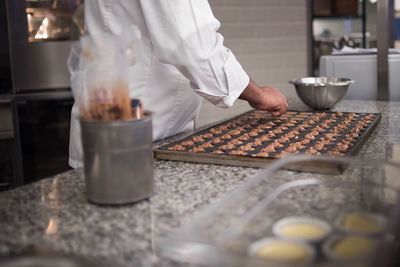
<point x="265" y="98"/>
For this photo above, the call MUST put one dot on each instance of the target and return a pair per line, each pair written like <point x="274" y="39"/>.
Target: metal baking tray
<point x="252" y="119"/>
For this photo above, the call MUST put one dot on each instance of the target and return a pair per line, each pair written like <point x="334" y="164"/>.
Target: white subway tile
<point x="287" y="3"/>
<point x="237" y="31"/>
<point x="269" y="3"/>
<point x="227" y="14"/>
<point x="254" y="14"/>
<point x="267" y="36"/>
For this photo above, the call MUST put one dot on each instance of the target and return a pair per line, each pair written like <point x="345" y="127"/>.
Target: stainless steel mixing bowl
<point x="321" y="92"/>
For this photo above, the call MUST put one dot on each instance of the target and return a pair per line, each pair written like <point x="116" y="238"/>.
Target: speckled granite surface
<point x="54" y="213"/>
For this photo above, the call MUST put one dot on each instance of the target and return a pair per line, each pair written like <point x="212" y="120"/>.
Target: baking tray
<point x="253" y="119"/>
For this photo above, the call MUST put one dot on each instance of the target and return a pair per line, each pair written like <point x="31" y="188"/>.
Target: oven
<point x="35" y="95"/>
<point x="34" y="137"/>
<point x="43" y="124"/>
<point x="7" y="145"/>
<point x="40" y="34"/>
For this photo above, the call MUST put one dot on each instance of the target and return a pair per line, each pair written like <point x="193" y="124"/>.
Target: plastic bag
<point x="99" y="67"/>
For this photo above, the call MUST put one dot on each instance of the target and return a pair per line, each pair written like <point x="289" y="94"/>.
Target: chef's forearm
<point x="265" y="98"/>
<point x="251" y="93"/>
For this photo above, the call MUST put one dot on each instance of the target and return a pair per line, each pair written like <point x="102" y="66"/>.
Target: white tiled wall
<point x="268" y="37"/>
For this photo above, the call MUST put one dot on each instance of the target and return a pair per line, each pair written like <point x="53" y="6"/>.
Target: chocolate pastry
<point x="197" y="149"/>
<point x="226" y="136"/>
<point x="177" y="148"/>
<point x="227" y="147"/>
<point x="238" y="152"/>
<point x="207" y="135"/>
<point x="188" y="143"/>
<point x="247" y="147"/>
<point x="258" y="134"/>
<point x="198" y="139"/>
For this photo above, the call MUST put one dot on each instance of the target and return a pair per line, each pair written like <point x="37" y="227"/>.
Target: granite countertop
<point x="54" y="213"/>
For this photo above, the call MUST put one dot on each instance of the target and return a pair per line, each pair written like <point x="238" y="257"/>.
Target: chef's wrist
<point x="251" y="93"/>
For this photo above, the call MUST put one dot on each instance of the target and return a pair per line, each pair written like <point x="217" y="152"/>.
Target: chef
<point x="183" y="60"/>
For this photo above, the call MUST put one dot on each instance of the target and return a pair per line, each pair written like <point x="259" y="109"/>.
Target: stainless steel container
<point x="118" y="160"/>
<point x="321" y="92"/>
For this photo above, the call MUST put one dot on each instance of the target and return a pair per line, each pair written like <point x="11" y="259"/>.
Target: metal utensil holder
<point x="118" y="160"/>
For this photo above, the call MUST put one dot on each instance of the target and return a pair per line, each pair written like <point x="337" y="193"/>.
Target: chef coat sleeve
<point x="184" y="34"/>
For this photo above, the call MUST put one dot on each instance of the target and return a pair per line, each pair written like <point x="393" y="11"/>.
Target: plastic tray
<point x="222" y="233"/>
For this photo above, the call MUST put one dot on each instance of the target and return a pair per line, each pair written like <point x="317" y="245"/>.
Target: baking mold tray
<point x="255" y="138"/>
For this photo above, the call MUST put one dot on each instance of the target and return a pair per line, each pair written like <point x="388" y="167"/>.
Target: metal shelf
<point x="313" y="58"/>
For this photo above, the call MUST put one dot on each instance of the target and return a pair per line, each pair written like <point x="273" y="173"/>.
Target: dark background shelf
<point x="339" y="17"/>
<point x="332" y="10"/>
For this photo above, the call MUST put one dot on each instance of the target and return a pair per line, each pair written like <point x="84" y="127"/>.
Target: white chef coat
<point x="183" y="58"/>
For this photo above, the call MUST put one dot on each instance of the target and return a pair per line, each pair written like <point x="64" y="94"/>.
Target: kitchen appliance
<point x="362" y="68"/>
<point x="34" y="80"/>
<point x="43" y="135"/>
<point x="40" y="34"/>
<point x="321" y="92"/>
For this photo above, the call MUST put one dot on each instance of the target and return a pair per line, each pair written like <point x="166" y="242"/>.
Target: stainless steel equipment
<point x="362" y="68"/>
<point x="35" y="42"/>
<point x="384" y="42"/>
<point x="224" y="138"/>
<point x="118" y="160"/>
<point x="40" y="34"/>
<point x="321" y="92"/>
